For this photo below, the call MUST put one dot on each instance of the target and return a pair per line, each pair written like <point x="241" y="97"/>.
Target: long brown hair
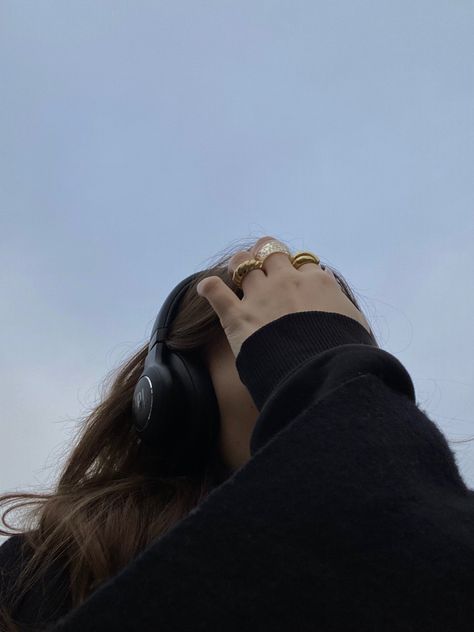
<point x="108" y="503"/>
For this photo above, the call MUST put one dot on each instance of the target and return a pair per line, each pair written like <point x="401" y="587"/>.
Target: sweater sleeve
<point x="46" y="600"/>
<point x="350" y="515"/>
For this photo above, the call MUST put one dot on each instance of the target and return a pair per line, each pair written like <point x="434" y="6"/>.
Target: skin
<point x="240" y="319"/>
<point x="238" y="413"/>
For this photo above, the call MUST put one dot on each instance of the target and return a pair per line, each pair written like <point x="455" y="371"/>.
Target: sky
<point x="139" y="139"/>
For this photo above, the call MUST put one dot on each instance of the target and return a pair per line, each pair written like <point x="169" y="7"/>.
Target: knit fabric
<point x="351" y="514"/>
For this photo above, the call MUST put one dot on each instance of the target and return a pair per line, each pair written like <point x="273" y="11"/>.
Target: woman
<point x="331" y="503"/>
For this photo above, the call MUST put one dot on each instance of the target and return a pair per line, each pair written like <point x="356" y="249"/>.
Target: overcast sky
<point x="138" y="139"/>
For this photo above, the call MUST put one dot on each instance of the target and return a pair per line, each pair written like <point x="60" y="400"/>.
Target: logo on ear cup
<point x="142" y="402"/>
<point x="140" y="399"/>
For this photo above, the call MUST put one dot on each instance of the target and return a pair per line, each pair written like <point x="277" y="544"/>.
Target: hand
<point x="274" y="291"/>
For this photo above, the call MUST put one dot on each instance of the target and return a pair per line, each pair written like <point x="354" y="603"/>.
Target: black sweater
<point x="351" y="514"/>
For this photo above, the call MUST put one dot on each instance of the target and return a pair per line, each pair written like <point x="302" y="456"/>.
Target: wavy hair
<point x="110" y="503"/>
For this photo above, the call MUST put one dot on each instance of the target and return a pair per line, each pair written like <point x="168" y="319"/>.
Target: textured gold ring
<point x="270" y="247"/>
<point x="243" y="269"/>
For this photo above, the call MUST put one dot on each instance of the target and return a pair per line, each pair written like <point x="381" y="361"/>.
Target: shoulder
<point x="11" y="544"/>
<point x="12" y="552"/>
<point x="46" y="599"/>
<point x="12" y="557"/>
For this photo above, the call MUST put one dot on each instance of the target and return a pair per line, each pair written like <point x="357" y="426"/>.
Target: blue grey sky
<point x="139" y="139"/>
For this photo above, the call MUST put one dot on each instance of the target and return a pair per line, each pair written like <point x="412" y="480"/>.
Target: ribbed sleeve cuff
<point x="277" y="348"/>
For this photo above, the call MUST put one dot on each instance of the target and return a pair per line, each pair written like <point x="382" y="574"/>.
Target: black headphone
<point x="175" y="410"/>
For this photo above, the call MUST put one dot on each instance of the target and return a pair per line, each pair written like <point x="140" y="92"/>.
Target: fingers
<point x="276" y="261"/>
<point x="328" y="270"/>
<point x="252" y="278"/>
<point x="220" y="297"/>
<point x="273" y="263"/>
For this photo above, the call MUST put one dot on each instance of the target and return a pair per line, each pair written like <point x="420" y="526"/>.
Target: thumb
<point x="219" y="295"/>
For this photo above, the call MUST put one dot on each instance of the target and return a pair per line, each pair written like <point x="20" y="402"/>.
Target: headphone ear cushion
<point x="177" y="414"/>
<point x="198" y="422"/>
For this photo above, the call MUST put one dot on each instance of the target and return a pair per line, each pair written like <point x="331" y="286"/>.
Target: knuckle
<point x="234" y="261"/>
<point x="263" y="240"/>
<point x="260" y="242"/>
<point x="288" y="278"/>
<point x="324" y="277"/>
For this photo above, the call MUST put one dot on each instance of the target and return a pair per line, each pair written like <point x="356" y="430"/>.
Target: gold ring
<point x="297" y="260"/>
<point x="270" y="247"/>
<point x="302" y="257"/>
<point x="243" y="269"/>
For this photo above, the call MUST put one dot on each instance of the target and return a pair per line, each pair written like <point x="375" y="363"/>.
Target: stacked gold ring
<point x="243" y="269"/>
<point x="297" y="260"/>
<point x="302" y="257"/>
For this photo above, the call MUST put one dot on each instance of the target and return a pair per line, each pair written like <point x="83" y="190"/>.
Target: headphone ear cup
<point x="177" y="414"/>
<point x="200" y="424"/>
<point x="155" y="400"/>
<point x="196" y="425"/>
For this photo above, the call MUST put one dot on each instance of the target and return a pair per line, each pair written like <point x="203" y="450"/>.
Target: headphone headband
<point x="168" y="311"/>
